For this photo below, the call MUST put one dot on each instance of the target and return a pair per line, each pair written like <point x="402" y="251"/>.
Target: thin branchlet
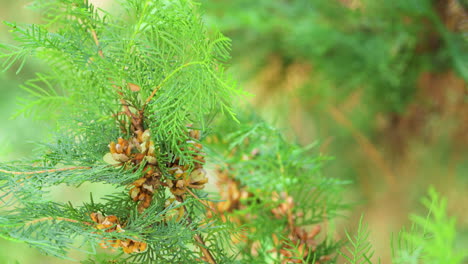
<point x="43" y="171"/>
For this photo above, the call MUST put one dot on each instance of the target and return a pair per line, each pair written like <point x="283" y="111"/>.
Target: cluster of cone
<point x="183" y="178"/>
<point x="139" y="148"/>
<point x="233" y="193"/>
<point x="111" y="224"/>
<point x="133" y="152"/>
<point x="305" y="240"/>
<point x="231" y="190"/>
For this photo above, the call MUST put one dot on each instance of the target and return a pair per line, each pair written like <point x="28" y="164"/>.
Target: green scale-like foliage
<point x="151" y="56"/>
<point x="159" y="46"/>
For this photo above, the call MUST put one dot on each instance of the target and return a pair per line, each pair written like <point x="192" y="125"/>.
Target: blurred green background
<point x="381" y="85"/>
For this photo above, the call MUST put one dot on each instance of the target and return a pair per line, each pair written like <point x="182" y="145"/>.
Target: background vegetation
<point x="379" y="85"/>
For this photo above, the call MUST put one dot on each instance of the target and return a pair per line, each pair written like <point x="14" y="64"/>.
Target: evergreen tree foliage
<point x="134" y="94"/>
<point x="138" y="77"/>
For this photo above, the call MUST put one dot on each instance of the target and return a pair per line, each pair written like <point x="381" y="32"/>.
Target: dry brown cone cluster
<point x="304" y="243"/>
<point x="304" y="240"/>
<point x="111" y="224"/>
<point x="231" y="190"/>
<point x="298" y="242"/>
<point x="231" y="193"/>
<point x="183" y="177"/>
<point x="132" y="152"/>
<point x="144" y="188"/>
<point x="141" y="148"/>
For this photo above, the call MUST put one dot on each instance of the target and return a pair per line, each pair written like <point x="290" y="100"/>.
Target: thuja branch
<point x="204" y="249"/>
<point x="206" y="252"/>
<point x="155" y="90"/>
<point x="96" y="40"/>
<point x="55" y="219"/>
<point x="137" y="121"/>
<point x="156" y="141"/>
<point x="200" y="200"/>
<point x="44" y="171"/>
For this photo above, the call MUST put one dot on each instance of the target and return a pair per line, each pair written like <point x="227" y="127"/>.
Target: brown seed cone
<point x="145" y="202"/>
<point x="198" y="179"/>
<point x="145" y="187"/>
<point x="111" y="224"/>
<point x="121" y="151"/>
<point x="195" y="134"/>
<point x="143" y="195"/>
<point x="305" y="242"/>
<point x="231" y="193"/>
<point x="97" y="217"/>
<point x="177" y="187"/>
<point x="131" y="246"/>
<point x="145" y="149"/>
<point x="139" y="137"/>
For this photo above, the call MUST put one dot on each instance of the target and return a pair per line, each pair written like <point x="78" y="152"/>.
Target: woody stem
<point x="201" y="243"/>
<point x="50" y="218"/>
<point x="43" y="171"/>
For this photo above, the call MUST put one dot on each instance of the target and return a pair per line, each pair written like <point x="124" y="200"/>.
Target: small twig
<point x="200" y="200"/>
<point x="134" y="119"/>
<point x="121" y="122"/>
<point x="290" y="219"/>
<point x="155" y="90"/>
<point x="202" y="245"/>
<point x="203" y="248"/>
<point x="151" y="96"/>
<point x="50" y="218"/>
<point x="43" y="171"/>
<point x="96" y="40"/>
